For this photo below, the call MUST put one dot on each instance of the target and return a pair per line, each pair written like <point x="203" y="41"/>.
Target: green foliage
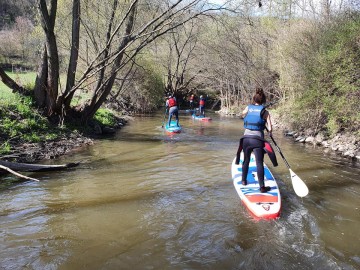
<point x="151" y="89"/>
<point x="146" y="90"/>
<point x="105" y="117"/>
<point x="331" y="65"/>
<point x="19" y="121"/>
<point x="5" y="148"/>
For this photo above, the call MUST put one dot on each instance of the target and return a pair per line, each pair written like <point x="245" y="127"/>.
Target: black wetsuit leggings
<point x="256" y="146"/>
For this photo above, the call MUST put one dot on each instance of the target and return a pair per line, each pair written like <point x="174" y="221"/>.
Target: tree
<point x="130" y="28"/>
<point x="236" y="60"/>
<point x="182" y="44"/>
<point x="46" y="87"/>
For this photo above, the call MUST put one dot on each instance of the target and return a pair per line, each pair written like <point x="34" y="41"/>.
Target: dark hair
<point x="259" y="96"/>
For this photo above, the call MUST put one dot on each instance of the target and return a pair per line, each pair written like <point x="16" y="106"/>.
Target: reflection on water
<point x="146" y="200"/>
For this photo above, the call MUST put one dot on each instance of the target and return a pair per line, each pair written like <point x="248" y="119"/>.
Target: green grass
<point x="8" y="99"/>
<point x="5" y="92"/>
<point x="26" y="80"/>
<point x="20" y="121"/>
<point x="23" y="78"/>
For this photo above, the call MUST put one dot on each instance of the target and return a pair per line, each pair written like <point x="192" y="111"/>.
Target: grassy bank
<point x="23" y="127"/>
<point x="24" y="79"/>
<point x="21" y="123"/>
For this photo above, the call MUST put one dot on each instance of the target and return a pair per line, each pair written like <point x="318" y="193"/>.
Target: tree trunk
<point x="26" y="167"/>
<point x="53" y="73"/>
<point x="100" y="95"/>
<point x="50" y="81"/>
<point x="74" y="55"/>
<point x="40" y="82"/>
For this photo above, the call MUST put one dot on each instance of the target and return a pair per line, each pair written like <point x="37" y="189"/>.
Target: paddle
<point x="164" y="118"/>
<point x="299" y="186"/>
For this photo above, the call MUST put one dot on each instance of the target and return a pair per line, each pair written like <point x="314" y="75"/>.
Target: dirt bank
<point x="35" y="152"/>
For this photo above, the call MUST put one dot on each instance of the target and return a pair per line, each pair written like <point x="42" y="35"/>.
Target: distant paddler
<point x="171" y="104"/>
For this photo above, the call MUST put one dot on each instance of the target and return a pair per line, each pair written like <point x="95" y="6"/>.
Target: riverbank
<point x="71" y="141"/>
<point x="344" y="144"/>
<point x="26" y="136"/>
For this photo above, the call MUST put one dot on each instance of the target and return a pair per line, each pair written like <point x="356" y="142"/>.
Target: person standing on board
<point x="202" y="106"/>
<point x="191" y="102"/>
<point x="256" y="118"/>
<point x="173" y="109"/>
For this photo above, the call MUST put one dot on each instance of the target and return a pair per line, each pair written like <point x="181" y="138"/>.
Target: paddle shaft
<point x="277" y="147"/>
<point x="164" y="118"/>
<point x="279" y="150"/>
<point x="299" y="186"/>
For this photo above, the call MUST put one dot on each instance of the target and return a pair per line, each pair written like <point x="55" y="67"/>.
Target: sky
<point x="307" y="6"/>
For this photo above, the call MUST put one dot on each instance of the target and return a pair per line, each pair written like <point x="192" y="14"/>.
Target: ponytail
<point x="259" y="96"/>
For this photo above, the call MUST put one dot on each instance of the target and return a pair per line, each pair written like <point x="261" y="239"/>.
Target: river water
<point x="147" y="200"/>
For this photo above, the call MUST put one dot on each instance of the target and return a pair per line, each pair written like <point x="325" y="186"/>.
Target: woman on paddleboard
<point x="173" y="109"/>
<point x="191" y="102"/>
<point x="256" y="119"/>
<point x="202" y="105"/>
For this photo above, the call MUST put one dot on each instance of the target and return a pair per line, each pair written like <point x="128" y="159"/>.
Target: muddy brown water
<point x="146" y="200"/>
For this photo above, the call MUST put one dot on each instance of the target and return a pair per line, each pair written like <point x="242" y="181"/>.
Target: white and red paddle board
<point x="201" y="118"/>
<point x="261" y="205"/>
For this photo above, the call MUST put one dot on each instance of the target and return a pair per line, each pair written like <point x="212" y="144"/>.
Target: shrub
<point x="330" y="94"/>
<point x="105" y="117"/>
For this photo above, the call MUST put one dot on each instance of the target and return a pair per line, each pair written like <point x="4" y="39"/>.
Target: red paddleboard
<point x="201" y="117"/>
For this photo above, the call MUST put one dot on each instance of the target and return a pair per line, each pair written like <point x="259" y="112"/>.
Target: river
<point x="147" y="200"/>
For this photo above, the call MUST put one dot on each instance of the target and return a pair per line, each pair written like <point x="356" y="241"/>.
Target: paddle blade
<point x="299" y="186"/>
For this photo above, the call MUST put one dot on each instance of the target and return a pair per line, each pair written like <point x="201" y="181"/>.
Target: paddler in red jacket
<point x="191" y="101"/>
<point x="202" y="106"/>
<point x="173" y="109"/>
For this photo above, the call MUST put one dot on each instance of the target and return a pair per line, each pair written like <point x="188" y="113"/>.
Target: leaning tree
<point x="99" y="51"/>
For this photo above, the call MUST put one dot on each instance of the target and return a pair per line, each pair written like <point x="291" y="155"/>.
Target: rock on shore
<point x="344" y="144"/>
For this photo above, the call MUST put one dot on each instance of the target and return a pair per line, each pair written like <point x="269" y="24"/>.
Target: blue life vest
<point x="253" y="119"/>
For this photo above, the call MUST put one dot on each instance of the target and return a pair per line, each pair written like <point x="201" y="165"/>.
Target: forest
<point x="126" y="55"/>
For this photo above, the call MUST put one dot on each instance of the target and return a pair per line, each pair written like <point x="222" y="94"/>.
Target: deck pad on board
<point x="173" y="128"/>
<point x="261" y="205"/>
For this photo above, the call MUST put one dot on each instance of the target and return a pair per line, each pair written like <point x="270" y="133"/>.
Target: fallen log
<point x="25" y="167"/>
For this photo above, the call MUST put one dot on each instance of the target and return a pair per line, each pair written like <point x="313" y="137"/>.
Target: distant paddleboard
<point x="201" y="117"/>
<point x="173" y="128"/>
